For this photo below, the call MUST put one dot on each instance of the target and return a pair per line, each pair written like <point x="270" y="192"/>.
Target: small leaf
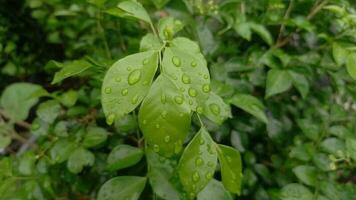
<point x="160" y="3"/>
<point x="262" y="32"/>
<point x="231" y="168"/>
<point x="294" y="191"/>
<point x="48" y="111"/>
<point x="351" y="65"/>
<point x="94" y="137"/>
<point x="216" y="109"/>
<point x="71" y="69"/>
<point x="307" y="174"/>
<point x="351" y="147"/>
<point x="126" y="83"/>
<point x="197" y="164"/>
<point x="61" y="150"/>
<point x="278" y="81"/>
<point x="78" y="159"/>
<point x="134" y="9"/>
<point x="150" y="42"/>
<point x="214" y="190"/>
<point x="69" y="98"/>
<point x="122" y="187"/>
<point x="300" y="82"/>
<point x="332" y="145"/>
<point x="340" y="54"/>
<point x="251" y="105"/>
<point x="123" y="156"/>
<point x="26" y="165"/>
<point x="168" y="26"/>
<point x="244" y="30"/>
<point x="17" y="100"/>
<point x="164" y="117"/>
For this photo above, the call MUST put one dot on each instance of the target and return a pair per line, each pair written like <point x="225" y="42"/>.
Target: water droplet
<point x="190" y="102"/>
<point x="157" y="126"/>
<point x="176" y="61"/>
<point x="206" y="88"/>
<point x="206" y="76"/>
<point x="196" y="177"/>
<point x="185" y="79"/>
<point x="167" y="138"/>
<point x="118" y="79"/>
<point x="162" y="159"/>
<point x="192" y="92"/>
<point x="174" y="77"/>
<point x="134" y="77"/>
<point x="178" y="99"/>
<point x="124" y="92"/>
<point x="110" y="119"/>
<point x="144" y="121"/>
<point x="193" y="64"/>
<point x="156" y="148"/>
<point x="163" y="98"/>
<point x="182" y="89"/>
<point x="228" y="158"/>
<point x="198" y="162"/>
<point x="209" y="175"/>
<point x="134" y="99"/>
<point x="201" y="141"/>
<point x="145" y="61"/>
<point x="194" y="187"/>
<point x="215" y="109"/>
<point x="210" y="164"/>
<point x="107" y="90"/>
<point x="164" y="114"/>
<point x="210" y="149"/>
<point x="128" y="69"/>
<point x="145" y="83"/>
<point x="181" y="114"/>
<point x="177" y="146"/>
<point x="200" y="109"/>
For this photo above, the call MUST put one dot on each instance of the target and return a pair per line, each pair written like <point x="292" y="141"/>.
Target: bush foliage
<point x="192" y="99"/>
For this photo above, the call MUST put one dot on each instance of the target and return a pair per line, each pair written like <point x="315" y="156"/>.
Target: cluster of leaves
<point x="135" y="109"/>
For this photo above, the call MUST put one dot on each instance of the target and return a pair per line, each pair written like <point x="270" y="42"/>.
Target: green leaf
<point x="186" y="67"/>
<point x="351" y="147"/>
<point x="214" y="190"/>
<point x="134" y="9"/>
<point x="71" y="69"/>
<point x="5" y="140"/>
<point x="244" y="30"/>
<point x="278" y="81"/>
<point x="294" y="191"/>
<point x="231" y="168"/>
<point x="333" y="145"/>
<point x="94" y="136"/>
<point x="351" y="65"/>
<point x="307" y="174"/>
<point x="123" y="156"/>
<point x="17" y="100"/>
<point x="122" y="187"/>
<point x="48" y="111"/>
<point x="26" y="165"/>
<point x="126" y="84"/>
<point x="262" y="32"/>
<point x="310" y="129"/>
<point x="69" y="98"/>
<point x="164" y="117"/>
<point x="340" y="54"/>
<point x="160" y="3"/>
<point x="79" y="159"/>
<point x="150" y="42"/>
<point x="61" y="150"/>
<point x="251" y="105"/>
<point x="168" y="26"/>
<point x="197" y="164"/>
<point x="300" y="82"/>
<point x="215" y="109"/>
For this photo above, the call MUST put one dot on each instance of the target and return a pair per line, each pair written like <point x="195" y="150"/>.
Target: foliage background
<point x="293" y="60"/>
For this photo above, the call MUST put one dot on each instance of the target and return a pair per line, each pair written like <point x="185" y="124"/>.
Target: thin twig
<point x="286" y="15"/>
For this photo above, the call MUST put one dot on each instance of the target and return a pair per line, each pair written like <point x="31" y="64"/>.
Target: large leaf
<point x="277" y="81"/>
<point x="126" y="84"/>
<point x="251" y="105"/>
<point x="197" y="164"/>
<point x="186" y="67"/>
<point x="295" y="191"/>
<point x="79" y="159"/>
<point x="164" y="117"/>
<point x="307" y="174"/>
<point x="214" y="190"/>
<point x="215" y="109"/>
<point x="70" y="69"/>
<point x="122" y="187"/>
<point x="17" y="100"/>
<point x="123" y="156"/>
<point x="134" y="9"/>
<point x="351" y="65"/>
<point x="231" y="168"/>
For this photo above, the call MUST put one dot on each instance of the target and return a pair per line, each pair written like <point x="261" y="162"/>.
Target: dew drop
<point x="181" y="114"/>
<point x="192" y="92"/>
<point x="118" y="79"/>
<point x="198" y="162"/>
<point x="163" y="98"/>
<point x="201" y="141"/>
<point x="194" y="187"/>
<point x="185" y="79"/>
<point x="145" y="83"/>
<point x="182" y="89"/>
<point x="208" y="175"/>
<point x="107" y="90"/>
<point x="200" y="109"/>
<point x="206" y="88"/>
<point x="206" y="76"/>
<point x="196" y="177"/>
<point x="174" y="77"/>
<point x="193" y="64"/>
<point x="124" y="92"/>
<point x="210" y="164"/>
<point x="134" y="77"/>
<point x="144" y="121"/>
<point x="177" y="146"/>
<point x="210" y="150"/>
<point x="164" y="114"/>
<point x="158" y="126"/>
<point x="128" y="69"/>
<point x="156" y="148"/>
<point x="145" y="61"/>
<point x="134" y="99"/>
<point x="176" y="61"/>
<point x="167" y="138"/>
<point x="190" y="102"/>
<point x="110" y="119"/>
<point x="178" y="99"/>
<point x="215" y="109"/>
<point x="228" y="158"/>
